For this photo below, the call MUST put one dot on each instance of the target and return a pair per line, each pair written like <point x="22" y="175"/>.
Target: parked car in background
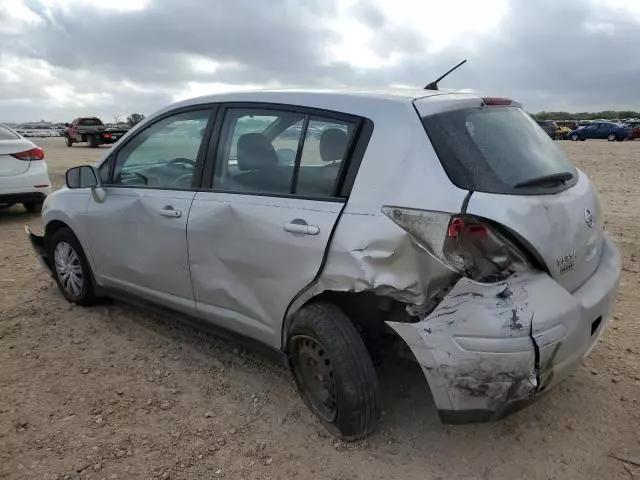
<point x="600" y="130"/>
<point x="549" y="126"/>
<point x="23" y="172"/>
<point x="635" y="130"/>
<point x="562" y="132"/>
<point x="92" y="131"/>
<point x="482" y="251"/>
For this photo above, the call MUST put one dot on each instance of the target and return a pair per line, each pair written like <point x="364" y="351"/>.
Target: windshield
<point x="497" y="150"/>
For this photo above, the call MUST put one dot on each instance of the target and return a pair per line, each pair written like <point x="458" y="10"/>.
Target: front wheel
<point x="70" y="268"/>
<point x="575" y="137"/>
<point x="333" y="371"/>
<point x="612" y="137"/>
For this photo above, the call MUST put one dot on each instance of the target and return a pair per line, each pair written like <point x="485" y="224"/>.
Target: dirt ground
<point x="114" y="392"/>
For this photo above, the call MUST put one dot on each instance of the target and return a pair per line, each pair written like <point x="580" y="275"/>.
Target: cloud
<point x="57" y="58"/>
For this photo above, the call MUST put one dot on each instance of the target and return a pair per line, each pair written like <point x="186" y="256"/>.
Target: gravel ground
<point x="115" y="392"/>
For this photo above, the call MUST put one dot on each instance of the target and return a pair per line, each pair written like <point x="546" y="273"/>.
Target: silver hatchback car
<point x="328" y="225"/>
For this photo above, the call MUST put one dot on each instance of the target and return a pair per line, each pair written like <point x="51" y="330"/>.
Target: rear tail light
<point x="35" y="153"/>
<point x="107" y="135"/>
<point x="466" y="244"/>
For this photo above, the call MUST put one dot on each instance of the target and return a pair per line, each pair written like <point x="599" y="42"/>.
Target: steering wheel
<point x="182" y="161"/>
<point x="139" y="175"/>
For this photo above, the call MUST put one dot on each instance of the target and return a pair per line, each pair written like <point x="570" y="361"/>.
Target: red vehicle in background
<point x="92" y="131"/>
<point x="635" y="130"/>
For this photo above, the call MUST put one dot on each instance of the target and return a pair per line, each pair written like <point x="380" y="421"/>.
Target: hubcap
<point x="68" y="269"/>
<point x="314" y="372"/>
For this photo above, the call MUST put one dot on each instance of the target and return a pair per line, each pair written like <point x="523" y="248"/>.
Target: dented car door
<point x="259" y="236"/>
<point x="138" y="225"/>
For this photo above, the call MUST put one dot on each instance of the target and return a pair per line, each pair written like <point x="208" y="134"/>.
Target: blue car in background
<point x="609" y="130"/>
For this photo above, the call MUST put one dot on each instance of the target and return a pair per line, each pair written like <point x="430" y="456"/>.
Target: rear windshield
<point x="90" y="121"/>
<point x="6" y="134"/>
<point x="497" y="150"/>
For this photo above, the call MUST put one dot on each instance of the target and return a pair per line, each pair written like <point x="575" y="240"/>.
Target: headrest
<point x="333" y="144"/>
<point x="255" y="152"/>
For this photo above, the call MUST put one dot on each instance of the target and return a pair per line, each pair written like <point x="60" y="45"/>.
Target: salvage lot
<point x="113" y="390"/>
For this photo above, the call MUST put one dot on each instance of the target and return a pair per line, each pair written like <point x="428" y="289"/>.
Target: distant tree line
<point x="607" y="115"/>
<point x="134" y="118"/>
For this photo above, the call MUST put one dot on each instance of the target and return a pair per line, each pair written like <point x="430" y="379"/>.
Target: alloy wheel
<point x="68" y="269"/>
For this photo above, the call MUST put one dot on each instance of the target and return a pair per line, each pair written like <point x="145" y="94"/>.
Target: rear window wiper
<point x="553" y="178"/>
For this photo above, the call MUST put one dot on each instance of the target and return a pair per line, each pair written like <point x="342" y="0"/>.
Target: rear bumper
<point x="30" y="186"/>
<point x="490" y="349"/>
<point x="39" y="247"/>
<point x="24" y="197"/>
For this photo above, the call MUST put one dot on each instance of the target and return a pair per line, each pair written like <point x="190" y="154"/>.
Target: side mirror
<point x="84" y="176"/>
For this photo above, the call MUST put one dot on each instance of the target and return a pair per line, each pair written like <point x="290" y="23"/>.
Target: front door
<point x="138" y="229"/>
<point x="259" y="235"/>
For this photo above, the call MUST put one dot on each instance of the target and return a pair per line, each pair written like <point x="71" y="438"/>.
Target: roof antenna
<point x="434" y="85"/>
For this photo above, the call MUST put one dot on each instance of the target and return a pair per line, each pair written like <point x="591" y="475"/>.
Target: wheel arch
<point x="51" y="228"/>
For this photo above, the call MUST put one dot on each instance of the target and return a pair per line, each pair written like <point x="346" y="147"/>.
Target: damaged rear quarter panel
<point x="475" y="347"/>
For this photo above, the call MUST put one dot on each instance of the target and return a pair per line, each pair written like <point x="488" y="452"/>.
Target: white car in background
<point x="23" y="172"/>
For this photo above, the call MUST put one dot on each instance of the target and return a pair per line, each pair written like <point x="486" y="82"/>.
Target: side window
<point x="255" y="151"/>
<point x="324" y="152"/>
<point x="258" y="153"/>
<point x="164" y="154"/>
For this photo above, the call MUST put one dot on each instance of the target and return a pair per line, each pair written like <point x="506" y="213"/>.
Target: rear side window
<point x="6" y="134"/>
<point x="497" y="150"/>
<point x="281" y="152"/>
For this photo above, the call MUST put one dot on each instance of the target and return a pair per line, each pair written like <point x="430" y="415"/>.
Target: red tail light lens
<point x="34" y="154"/>
<point x="468" y="245"/>
<point x="107" y="135"/>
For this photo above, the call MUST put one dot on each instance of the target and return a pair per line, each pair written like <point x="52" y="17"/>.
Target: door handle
<point x="303" y="228"/>
<point x="170" y="212"/>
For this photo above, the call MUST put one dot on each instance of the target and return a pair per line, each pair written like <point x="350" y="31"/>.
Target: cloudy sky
<point x="60" y="59"/>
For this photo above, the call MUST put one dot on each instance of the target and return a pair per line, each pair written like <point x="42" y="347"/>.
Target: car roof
<point x="317" y="98"/>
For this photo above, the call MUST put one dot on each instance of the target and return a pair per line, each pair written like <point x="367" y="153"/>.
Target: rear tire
<point x="91" y="141"/>
<point x="612" y="137"/>
<point x="70" y="268"/>
<point x="69" y="142"/>
<point x="33" y="207"/>
<point x="333" y="371"/>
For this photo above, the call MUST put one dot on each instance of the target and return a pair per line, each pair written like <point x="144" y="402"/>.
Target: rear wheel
<point x="70" y="268"/>
<point x="69" y="142"/>
<point x="612" y="137"/>
<point x="33" y="207"/>
<point x="333" y="371"/>
<point x="92" y="141"/>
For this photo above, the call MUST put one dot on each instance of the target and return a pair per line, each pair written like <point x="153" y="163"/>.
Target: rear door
<point x="11" y="143"/>
<point x="138" y="230"/>
<point x="602" y="131"/>
<point x="258" y="234"/>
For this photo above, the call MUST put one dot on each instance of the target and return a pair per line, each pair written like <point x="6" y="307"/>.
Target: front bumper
<point x="490" y="349"/>
<point x="39" y="247"/>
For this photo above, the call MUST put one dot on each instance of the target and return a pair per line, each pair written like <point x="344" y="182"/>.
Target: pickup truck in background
<point x="92" y="131"/>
